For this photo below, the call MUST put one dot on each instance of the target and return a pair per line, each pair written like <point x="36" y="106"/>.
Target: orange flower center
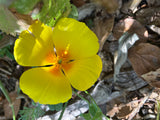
<point x="61" y="62"/>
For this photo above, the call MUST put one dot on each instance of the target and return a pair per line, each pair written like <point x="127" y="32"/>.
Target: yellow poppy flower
<point x="65" y="57"/>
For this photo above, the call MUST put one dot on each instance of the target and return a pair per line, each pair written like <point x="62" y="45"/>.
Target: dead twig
<point x="136" y="110"/>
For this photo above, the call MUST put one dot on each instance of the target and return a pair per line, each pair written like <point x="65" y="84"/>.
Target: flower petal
<point x="84" y="73"/>
<point x="32" y="49"/>
<point x="76" y="38"/>
<point x="45" y="87"/>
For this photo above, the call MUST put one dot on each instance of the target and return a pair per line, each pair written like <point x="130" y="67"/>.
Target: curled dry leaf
<point x="16" y="104"/>
<point x="149" y="16"/>
<point x="103" y="27"/>
<point x="110" y="5"/>
<point x="144" y="58"/>
<point x="131" y="26"/>
<point x="153" y="78"/>
<point x="125" y="42"/>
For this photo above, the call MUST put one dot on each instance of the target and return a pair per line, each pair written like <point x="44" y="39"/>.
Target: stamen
<point x="70" y="61"/>
<point x="55" y="51"/>
<point x="48" y="65"/>
<point x="66" y="50"/>
<point x="63" y="71"/>
<point x="44" y="66"/>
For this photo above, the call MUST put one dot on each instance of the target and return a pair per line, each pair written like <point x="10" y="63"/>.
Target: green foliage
<point x="52" y="10"/>
<point x="24" y="6"/>
<point x="56" y="107"/>
<point x="158" y="110"/>
<point x="6" y="51"/>
<point x="89" y="23"/>
<point x="31" y="113"/>
<point x="1" y="36"/>
<point x="95" y="112"/>
<point x="8" y="22"/>
<point x="5" y="2"/>
<point x="50" y="13"/>
<point x="74" y="12"/>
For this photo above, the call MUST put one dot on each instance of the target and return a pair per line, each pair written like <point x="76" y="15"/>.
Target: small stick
<point x="136" y="110"/>
<point x="5" y="71"/>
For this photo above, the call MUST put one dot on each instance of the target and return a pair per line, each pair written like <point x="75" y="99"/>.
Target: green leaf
<point x="1" y="36"/>
<point x="8" y="22"/>
<point x="74" y="12"/>
<point x="56" y="107"/>
<point x="92" y="109"/>
<point x="6" y="51"/>
<point x="24" y="6"/>
<point x="86" y="116"/>
<point x="31" y="113"/>
<point x="95" y="112"/>
<point x="6" y="2"/>
<point x="52" y="10"/>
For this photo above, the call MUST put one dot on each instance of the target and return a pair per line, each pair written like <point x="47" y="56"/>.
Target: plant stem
<point x="158" y="110"/>
<point x="95" y="103"/>
<point x="80" y="96"/>
<point x="91" y="98"/>
<point x="61" y="115"/>
<point x="5" y="92"/>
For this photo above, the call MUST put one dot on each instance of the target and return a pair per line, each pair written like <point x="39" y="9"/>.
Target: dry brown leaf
<point x="124" y="112"/>
<point x="7" y="108"/>
<point x="23" y="20"/>
<point x="78" y="3"/>
<point x="144" y="58"/>
<point x="110" y="5"/>
<point x="113" y="111"/>
<point x="149" y="16"/>
<point x="103" y="27"/>
<point x="153" y="78"/>
<point x="132" y="26"/>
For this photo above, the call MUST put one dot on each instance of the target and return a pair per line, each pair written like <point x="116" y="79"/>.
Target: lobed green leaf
<point x="24" y="6"/>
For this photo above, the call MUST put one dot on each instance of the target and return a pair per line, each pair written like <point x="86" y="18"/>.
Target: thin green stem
<point x="80" y="96"/>
<point x="5" y="92"/>
<point x="61" y="115"/>
<point x="95" y="103"/>
<point x="158" y="110"/>
<point x="91" y="97"/>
